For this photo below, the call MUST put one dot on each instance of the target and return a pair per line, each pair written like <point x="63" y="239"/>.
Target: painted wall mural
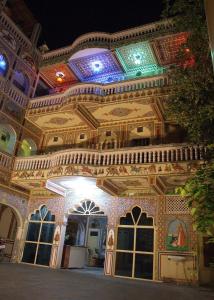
<point x="105" y="171"/>
<point x="177" y="237"/>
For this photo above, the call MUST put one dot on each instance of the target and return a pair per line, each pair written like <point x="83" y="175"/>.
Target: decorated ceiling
<point x="100" y="65"/>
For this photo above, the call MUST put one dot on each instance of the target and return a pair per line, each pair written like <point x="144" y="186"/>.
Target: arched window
<point x="28" y="147"/>
<point x="88" y="207"/>
<point x="3" y="65"/>
<point x="135" y="245"/>
<point x="21" y="81"/>
<point x="7" y="138"/>
<point x="39" y="237"/>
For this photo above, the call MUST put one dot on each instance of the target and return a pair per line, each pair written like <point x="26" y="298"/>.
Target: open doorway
<point x="85" y="238"/>
<point x="8" y="229"/>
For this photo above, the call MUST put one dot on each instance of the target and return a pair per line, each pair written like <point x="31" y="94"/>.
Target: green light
<point x="138" y="60"/>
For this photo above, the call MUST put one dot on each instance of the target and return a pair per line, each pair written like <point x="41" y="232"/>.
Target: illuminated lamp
<point x="60" y="76"/>
<point x="97" y="66"/>
<point x="2" y="62"/>
<point x="3" y="65"/>
<point x="187" y="50"/>
<point x="137" y="58"/>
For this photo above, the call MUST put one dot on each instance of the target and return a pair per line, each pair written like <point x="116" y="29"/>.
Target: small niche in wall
<point x="140" y="129"/>
<point x="55" y="139"/>
<point x="3" y="137"/>
<point x="108" y="133"/>
<point x="82" y="136"/>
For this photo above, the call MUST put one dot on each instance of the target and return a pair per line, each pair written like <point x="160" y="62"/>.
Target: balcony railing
<point x="5" y="161"/>
<point x="148" y="154"/>
<point x="13" y="93"/>
<point x="110" y="38"/>
<point x="19" y="36"/>
<point x="101" y="90"/>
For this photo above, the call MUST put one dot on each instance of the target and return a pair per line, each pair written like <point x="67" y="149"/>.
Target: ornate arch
<point x="8" y="138"/>
<point x="87" y="207"/>
<point x="17" y="213"/>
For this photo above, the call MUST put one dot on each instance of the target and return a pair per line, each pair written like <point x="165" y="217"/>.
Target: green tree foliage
<point x="191" y="104"/>
<point x="200" y="193"/>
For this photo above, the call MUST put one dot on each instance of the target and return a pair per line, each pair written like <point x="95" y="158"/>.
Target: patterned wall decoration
<point x="59" y="120"/>
<point x="100" y="67"/>
<point x="138" y="60"/>
<point x="166" y="216"/>
<point x="167" y="48"/>
<point x="55" y="205"/>
<point x="16" y="201"/>
<point x="49" y="73"/>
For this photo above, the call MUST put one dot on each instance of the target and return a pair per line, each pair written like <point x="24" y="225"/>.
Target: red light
<point x="59" y="79"/>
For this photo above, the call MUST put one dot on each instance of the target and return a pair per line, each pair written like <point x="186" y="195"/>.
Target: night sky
<point x="63" y="21"/>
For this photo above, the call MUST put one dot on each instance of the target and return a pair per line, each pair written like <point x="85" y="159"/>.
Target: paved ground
<point x="23" y="282"/>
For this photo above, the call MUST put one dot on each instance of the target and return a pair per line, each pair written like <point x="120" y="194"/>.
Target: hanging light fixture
<point x="59" y="76"/>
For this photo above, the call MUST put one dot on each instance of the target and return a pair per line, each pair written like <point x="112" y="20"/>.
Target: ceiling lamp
<point x="60" y="76"/>
<point x="137" y="58"/>
<point x="97" y="66"/>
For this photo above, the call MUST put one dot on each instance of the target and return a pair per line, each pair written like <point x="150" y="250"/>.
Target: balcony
<point x="13" y="93"/>
<point x="100" y="91"/>
<point x="145" y="155"/>
<point x="5" y="161"/>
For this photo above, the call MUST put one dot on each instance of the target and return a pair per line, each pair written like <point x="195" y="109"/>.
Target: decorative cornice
<point x="109" y="41"/>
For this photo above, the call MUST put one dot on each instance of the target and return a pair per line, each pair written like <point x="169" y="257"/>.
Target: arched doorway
<point x="8" y="229"/>
<point x="39" y="239"/>
<point x="85" y="237"/>
<point x="135" y="245"/>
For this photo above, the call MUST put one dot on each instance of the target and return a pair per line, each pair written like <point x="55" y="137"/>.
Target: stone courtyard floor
<point x="23" y="282"/>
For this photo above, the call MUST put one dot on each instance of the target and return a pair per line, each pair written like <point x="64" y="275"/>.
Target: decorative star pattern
<point x="138" y="60"/>
<point x="100" y="67"/>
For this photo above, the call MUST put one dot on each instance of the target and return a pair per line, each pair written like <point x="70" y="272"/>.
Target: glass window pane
<point x="43" y="255"/>
<point x="144" y="240"/>
<point x="143" y="266"/>
<point x="49" y="217"/>
<point x="126" y="220"/>
<point x="29" y="253"/>
<point x="125" y="239"/>
<point x="145" y="221"/>
<point x="123" y="266"/>
<point x="47" y="233"/>
<point x="136" y="213"/>
<point x="36" y="216"/>
<point x="33" y="231"/>
<point x="43" y="211"/>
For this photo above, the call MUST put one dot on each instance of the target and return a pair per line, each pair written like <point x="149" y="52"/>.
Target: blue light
<point x="3" y="65"/>
<point x="97" y="66"/>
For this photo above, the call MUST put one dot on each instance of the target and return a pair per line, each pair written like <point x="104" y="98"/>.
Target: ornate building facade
<point x="89" y="161"/>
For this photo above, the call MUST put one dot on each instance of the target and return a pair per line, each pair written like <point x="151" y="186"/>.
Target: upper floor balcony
<point x="125" y="156"/>
<point x="99" y="91"/>
<point x="16" y="37"/>
<point x="153" y="170"/>
<point x="5" y="161"/>
<point x="13" y="92"/>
